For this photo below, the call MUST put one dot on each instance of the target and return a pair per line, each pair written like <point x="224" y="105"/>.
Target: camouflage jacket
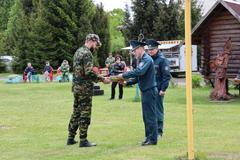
<point x="82" y="68"/>
<point x="64" y="68"/>
<point x="109" y="61"/>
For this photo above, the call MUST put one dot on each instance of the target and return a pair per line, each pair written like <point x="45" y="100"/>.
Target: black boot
<point x="144" y="141"/>
<point x="86" y="143"/>
<point x="149" y="142"/>
<point x="71" y="142"/>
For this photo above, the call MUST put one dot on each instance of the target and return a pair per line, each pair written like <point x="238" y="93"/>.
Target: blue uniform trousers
<point x="149" y="113"/>
<point x="160" y="113"/>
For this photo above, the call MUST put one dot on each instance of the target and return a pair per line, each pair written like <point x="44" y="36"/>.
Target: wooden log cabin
<point x="211" y="33"/>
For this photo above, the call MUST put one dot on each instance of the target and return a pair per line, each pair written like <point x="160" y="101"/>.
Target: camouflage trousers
<point x="81" y="116"/>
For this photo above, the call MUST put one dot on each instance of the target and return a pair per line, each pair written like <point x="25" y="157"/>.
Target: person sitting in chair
<point x="28" y="72"/>
<point x="48" y="72"/>
<point x="65" y="71"/>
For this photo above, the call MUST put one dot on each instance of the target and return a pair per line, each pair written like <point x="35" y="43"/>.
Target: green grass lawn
<point x="34" y="120"/>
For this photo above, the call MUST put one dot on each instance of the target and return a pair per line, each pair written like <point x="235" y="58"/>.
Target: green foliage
<point x="117" y="39"/>
<point x="159" y="19"/>
<point x="126" y="25"/>
<point x="196" y="14"/>
<point x="64" y="25"/>
<point x="18" y="36"/>
<point x="5" y="6"/>
<point x="40" y="31"/>
<point x="144" y="17"/>
<point x="101" y="19"/>
<point x="196" y="81"/>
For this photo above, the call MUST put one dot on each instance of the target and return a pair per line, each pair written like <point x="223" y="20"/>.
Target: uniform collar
<point x="156" y="55"/>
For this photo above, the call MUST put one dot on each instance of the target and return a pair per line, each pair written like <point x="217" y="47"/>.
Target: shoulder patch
<point x="166" y="68"/>
<point x="141" y="64"/>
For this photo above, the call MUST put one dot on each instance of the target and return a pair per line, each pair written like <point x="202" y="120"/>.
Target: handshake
<point x="117" y="78"/>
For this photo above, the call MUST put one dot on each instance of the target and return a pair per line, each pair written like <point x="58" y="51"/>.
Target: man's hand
<point x="106" y="80"/>
<point x="122" y="82"/>
<point x="120" y="76"/>
<point x="161" y="93"/>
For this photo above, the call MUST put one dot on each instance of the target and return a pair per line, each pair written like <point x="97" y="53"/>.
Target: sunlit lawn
<point x="34" y="119"/>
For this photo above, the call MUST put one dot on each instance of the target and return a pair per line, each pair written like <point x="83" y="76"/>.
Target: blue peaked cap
<point x="151" y="43"/>
<point x="135" y="44"/>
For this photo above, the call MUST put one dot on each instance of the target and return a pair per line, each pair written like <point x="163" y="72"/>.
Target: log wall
<point x="219" y="29"/>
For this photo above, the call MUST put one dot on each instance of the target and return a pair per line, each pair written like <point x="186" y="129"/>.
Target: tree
<point x="5" y="6"/>
<point x="196" y="14"/>
<point x="126" y="25"/>
<point x="18" y="37"/>
<point x="70" y="22"/>
<point x="100" y="26"/>
<point x="144" y="17"/>
<point x="159" y="19"/>
<point x="40" y="30"/>
<point x="117" y="39"/>
<point x="160" y="29"/>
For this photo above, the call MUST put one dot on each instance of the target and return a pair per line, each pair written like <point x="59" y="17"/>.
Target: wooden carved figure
<point x="219" y="65"/>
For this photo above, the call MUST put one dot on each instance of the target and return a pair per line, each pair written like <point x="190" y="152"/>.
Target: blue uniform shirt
<point x="29" y="70"/>
<point x="162" y="71"/>
<point x="144" y="73"/>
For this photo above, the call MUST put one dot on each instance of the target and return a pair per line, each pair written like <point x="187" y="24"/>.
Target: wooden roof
<point x="232" y="6"/>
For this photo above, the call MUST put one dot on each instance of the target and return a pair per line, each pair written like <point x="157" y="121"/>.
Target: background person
<point x="117" y="68"/>
<point x="163" y="76"/>
<point x="109" y="61"/>
<point x="48" y="72"/>
<point x="64" y="68"/>
<point x="28" y="72"/>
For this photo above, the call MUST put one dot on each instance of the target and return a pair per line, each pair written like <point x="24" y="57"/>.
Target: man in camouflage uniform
<point x="82" y="88"/>
<point x="65" y="71"/>
<point x="109" y="61"/>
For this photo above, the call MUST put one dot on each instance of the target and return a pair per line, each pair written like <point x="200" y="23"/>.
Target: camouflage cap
<point x="94" y="37"/>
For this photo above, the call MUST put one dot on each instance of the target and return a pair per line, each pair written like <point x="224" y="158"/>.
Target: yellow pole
<point x="188" y="58"/>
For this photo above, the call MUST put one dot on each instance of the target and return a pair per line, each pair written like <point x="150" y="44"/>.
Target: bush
<point x="196" y="81"/>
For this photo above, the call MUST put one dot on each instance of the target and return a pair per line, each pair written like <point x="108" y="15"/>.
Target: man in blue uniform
<point x="163" y="76"/>
<point x="145" y="76"/>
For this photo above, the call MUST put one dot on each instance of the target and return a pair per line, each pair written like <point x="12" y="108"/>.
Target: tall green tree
<point x="160" y="19"/>
<point x="100" y="26"/>
<point x="5" y="7"/>
<point x="59" y="28"/>
<point x="41" y="33"/>
<point x="144" y="17"/>
<point x="160" y="28"/>
<point x="127" y="24"/>
<point x="173" y="17"/>
<point x="40" y="30"/>
<point x="18" y="36"/>
<point x="196" y="15"/>
<point x="117" y="39"/>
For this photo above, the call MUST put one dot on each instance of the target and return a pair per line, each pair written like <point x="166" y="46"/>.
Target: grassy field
<point x="34" y="119"/>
